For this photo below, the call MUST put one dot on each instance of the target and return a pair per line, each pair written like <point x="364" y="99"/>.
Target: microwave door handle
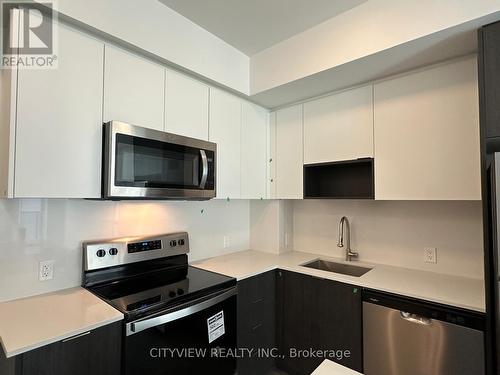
<point x="141" y="325"/>
<point x="204" y="163"/>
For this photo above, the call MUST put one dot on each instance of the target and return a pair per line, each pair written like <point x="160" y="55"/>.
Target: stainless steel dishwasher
<point x="403" y="336"/>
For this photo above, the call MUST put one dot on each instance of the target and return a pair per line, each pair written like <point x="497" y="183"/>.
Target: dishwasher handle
<point x="415" y="318"/>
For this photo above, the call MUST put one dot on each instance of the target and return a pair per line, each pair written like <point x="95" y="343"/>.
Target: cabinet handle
<point x="256" y="326"/>
<point x="77" y="336"/>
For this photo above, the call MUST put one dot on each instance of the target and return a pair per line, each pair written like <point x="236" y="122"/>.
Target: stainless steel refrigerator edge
<point x="489" y="113"/>
<point x="491" y="199"/>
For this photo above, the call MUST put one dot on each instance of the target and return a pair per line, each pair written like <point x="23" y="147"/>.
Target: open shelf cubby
<point x="351" y="179"/>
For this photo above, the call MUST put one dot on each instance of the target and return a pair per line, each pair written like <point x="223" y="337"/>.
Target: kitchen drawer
<point x="94" y="352"/>
<point x="260" y="339"/>
<point x="257" y="288"/>
<point x="261" y="335"/>
<point x="256" y="297"/>
<point x="256" y="321"/>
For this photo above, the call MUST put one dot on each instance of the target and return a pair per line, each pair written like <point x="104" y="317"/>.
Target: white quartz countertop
<point x="450" y="290"/>
<point x="32" y="322"/>
<point x="328" y="367"/>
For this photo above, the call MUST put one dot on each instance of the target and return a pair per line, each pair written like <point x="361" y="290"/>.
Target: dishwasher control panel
<point x="424" y="310"/>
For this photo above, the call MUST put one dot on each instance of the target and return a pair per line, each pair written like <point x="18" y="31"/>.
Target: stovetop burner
<point x="142" y="296"/>
<point x="155" y="281"/>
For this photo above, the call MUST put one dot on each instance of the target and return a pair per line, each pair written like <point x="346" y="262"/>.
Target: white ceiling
<point x="253" y="25"/>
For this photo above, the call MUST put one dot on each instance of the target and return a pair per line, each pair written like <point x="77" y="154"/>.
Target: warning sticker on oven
<point x="215" y="326"/>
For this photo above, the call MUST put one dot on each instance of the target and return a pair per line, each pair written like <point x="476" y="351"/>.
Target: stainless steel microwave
<point x="141" y="163"/>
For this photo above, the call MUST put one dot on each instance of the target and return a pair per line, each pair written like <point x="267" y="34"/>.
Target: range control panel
<point x="136" y="247"/>
<point x="118" y="251"/>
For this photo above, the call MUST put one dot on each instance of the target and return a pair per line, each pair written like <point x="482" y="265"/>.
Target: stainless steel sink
<point x="345" y="269"/>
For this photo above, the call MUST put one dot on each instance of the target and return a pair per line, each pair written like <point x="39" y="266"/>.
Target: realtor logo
<point x="28" y="35"/>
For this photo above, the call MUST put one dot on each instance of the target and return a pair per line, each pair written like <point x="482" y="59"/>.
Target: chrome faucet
<point x="349" y="254"/>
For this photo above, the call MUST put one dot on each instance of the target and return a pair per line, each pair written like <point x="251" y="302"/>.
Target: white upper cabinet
<point x="134" y="89"/>
<point x="59" y="123"/>
<point x="339" y="127"/>
<point x="427" y="134"/>
<point x="225" y="130"/>
<point x="186" y="106"/>
<point x="254" y="130"/>
<point x="288" y="153"/>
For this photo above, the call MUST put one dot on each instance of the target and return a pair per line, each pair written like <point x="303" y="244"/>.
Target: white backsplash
<point x="391" y="232"/>
<point x="396" y="232"/>
<point x="34" y="230"/>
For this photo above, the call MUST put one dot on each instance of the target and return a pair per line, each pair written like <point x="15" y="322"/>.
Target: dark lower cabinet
<point x="256" y="323"/>
<point x="294" y="321"/>
<point x="337" y="322"/>
<point x="97" y="352"/>
<point x="317" y="319"/>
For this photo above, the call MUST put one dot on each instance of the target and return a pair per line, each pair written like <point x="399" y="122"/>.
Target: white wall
<point x="371" y="27"/>
<point x="152" y="26"/>
<point x="33" y="230"/>
<point x="271" y="226"/>
<point x="396" y="232"/>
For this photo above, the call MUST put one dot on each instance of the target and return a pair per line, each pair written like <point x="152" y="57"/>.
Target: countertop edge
<point x="14" y="352"/>
<point x="331" y="368"/>
<point x="365" y="285"/>
<point x="342" y="279"/>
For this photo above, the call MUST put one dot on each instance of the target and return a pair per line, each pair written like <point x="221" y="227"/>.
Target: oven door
<point x="145" y="163"/>
<point x="196" y="338"/>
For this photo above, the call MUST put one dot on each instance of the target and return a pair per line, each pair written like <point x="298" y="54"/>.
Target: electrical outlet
<point x="46" y="270"/>
<point x="430" y="255"/>
<point x="227" y="242"/>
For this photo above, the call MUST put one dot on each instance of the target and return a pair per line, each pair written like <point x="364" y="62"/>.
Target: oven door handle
<point x="204" y="163"/>
<point x="141" y="325"/>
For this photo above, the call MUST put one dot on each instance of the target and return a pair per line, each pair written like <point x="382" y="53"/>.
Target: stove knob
<point x="173" y="243"/>
<point x="181" y="242"/>
<point x="113" y="251"/>
<point x="171" y="294"/>
<point x="100" y="253"/>
<point x="180" y="291"/>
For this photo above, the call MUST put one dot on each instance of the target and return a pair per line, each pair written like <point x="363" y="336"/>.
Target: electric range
<point x="178" y="318"/>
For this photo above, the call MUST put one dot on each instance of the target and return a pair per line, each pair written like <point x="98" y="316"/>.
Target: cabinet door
<point x="134" y="89"/>
<point x="339" y="127"/>
<point x="296" y="302"/>
<point x="318" y="314"/>
<point x="186" y="106"/>
<point x="225" y="130"/>
<point x="336" y="323"/>
<point x="254" y="130"/>
<point x="427" y="135"/>
<point x="59" y="122"/>
<point x="256" y="321"/>
<point x="289" y="153"/>
<point x="98" y="352"/>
